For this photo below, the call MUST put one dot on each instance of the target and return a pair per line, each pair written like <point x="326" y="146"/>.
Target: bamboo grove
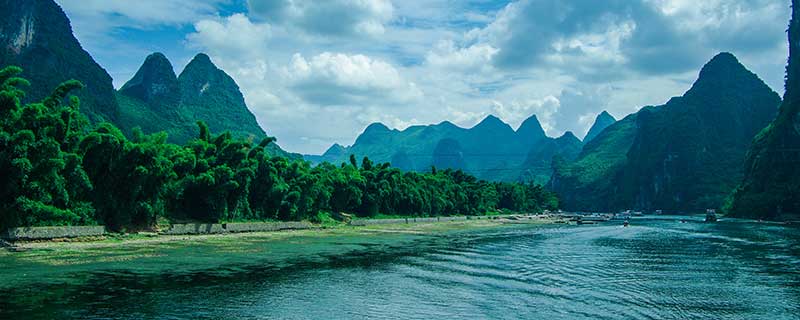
<point x="58" y="169"/>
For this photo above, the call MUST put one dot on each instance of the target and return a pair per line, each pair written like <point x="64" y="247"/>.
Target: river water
<point x="654" y="269"/>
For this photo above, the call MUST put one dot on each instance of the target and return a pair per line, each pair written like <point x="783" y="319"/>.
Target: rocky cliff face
<point x="37" y="36"/>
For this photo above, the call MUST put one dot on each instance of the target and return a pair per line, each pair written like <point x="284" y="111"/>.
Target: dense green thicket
<point x="56" y="169"/>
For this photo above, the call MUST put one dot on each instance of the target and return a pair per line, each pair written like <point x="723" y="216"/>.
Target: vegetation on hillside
<point x="683" y="156"/>
<point x="771" y="185"/>
<point x="57" y="169"/>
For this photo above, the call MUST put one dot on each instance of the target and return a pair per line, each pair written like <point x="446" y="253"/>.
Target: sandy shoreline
<point x="146" y="239"/>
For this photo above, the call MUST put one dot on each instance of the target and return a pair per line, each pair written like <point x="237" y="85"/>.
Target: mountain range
<point x="490" y="150"/>
<point x="685" y="155"/>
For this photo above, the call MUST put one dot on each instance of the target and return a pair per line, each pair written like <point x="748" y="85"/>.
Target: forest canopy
<point x="58" y="169"/>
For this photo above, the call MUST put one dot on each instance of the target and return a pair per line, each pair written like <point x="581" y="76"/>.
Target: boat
<point x="711" y="215"/>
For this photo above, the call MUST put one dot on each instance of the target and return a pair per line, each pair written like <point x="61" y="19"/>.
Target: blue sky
<point x="319" y="72"/>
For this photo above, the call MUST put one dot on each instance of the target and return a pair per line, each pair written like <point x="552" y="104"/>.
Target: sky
<point x="318" y="72"/>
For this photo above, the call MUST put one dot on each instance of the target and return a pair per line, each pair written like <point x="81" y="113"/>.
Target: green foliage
<point x="57" y="169"/>
<point x="41" y="178"/>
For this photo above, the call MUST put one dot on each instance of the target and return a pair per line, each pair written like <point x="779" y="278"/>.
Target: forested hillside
<point x="57" y="169"/>
<point x="771" y="185"/>
<point x="683" y="156"/>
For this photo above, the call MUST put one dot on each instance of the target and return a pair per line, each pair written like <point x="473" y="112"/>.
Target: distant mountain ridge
<point x="683" y="156"/>
<point x="491" y="149"/>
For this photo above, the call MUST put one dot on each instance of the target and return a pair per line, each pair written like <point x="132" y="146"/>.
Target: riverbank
<point x="419" y="226"/>
<point x="656" y="268"/>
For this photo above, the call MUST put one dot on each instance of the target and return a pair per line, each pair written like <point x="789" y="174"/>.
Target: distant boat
<point x="711" y="215"/>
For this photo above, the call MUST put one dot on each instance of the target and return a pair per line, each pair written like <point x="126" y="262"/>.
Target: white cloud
<point x="326" y="18"/>
<point x="142" y="13"/>
<point x="316" y="72"/>
<point x="336" y="78"/>
<point x="234" y="36"/>
<point x="473" y="58"/>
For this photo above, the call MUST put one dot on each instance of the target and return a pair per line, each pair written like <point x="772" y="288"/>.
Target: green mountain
<point x="155" y="83"/>
<point x="602" y="121"/>
<point x="151" y="100"/>
<point x="209" y="94"/>
<point x="683" y="156"/>
<point x="491" y="150"/>
<point x="449" y="155"/>
<point x="37" y="36"/>
<point x="538" y="165"/>
<point x="155" y="99"/>
<point x="770" y="188"/>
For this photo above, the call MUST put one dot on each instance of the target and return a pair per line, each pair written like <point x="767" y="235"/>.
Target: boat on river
<point x="711" y="215"/>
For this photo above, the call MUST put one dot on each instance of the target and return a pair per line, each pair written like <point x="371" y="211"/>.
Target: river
<point x="657" y="268"/>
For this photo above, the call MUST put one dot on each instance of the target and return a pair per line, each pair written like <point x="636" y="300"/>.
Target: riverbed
<point x="657" y="268"/>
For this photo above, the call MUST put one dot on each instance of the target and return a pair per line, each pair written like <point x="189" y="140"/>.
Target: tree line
<point x="58" y="169"/>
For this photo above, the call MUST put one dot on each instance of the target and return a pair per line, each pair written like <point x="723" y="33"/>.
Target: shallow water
<point x="654" y="269"/>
